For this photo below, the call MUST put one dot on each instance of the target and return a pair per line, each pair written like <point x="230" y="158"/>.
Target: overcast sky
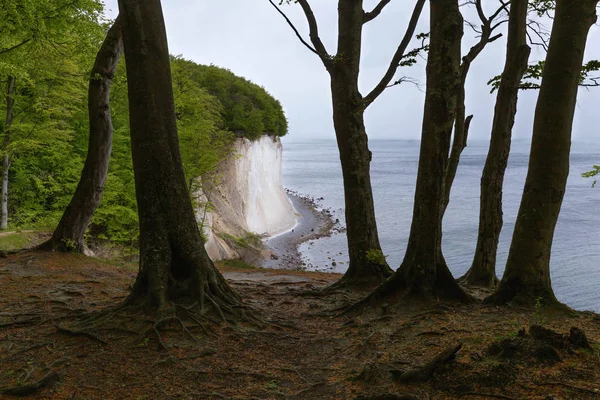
<point x="252" y="40"/>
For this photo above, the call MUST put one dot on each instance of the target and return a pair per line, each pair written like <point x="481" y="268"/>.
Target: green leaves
<point x="533" y="75"/>
<point x="591" y="174"/>
<point x="50" y="132"/>
<point x="247" y="109"/>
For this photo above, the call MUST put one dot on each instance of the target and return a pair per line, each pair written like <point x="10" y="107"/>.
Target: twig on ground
<point x="26" y="390"/>
<point x="293" y="370"/>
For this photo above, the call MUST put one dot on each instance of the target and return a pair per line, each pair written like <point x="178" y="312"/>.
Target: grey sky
<point x="252" y="40"/>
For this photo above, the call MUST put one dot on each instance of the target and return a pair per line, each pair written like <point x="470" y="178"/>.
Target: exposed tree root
<point x="424" y="372"/>
<point x="141" y="321"/>
<point x="28" y="321"/>
<point x="35" y="346"/>
<point x="32" y="388"/>
<point x="568" y="386"/>
<point x="489" y="282"/>
<point x="388" y="396"/>
<point x="73" y="332"/>
<point x="354" y="283"/>
<point x="492" y="395"/>
<point x="54" y="245"/>
<point x="308" y="389"/>
<point x="233" y="372"/>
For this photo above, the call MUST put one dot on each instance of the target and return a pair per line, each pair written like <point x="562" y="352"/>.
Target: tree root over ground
<point x="299" y="350"/>
<point x="144" y="322"/>
<point x="425" y="372"/>
<point x="28" y="389"/>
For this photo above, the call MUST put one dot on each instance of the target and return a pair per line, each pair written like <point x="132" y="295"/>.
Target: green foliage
<point x="272" y="385"/>
<point x="591" y="174"/>
<point x="533" y="76"/>
<point x="542" y="7"/>
<point x="537" y="313"/>
<point x="249" y="240"/>
<point x="375" y="256"/>
<point x="15" y="241"/>
<point x="49" y="46"/>
<point x="247" y="109"/>
<point x="410" y="58"/>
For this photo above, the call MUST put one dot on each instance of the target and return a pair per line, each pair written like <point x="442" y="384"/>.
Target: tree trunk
<point x="483" y="269"/>
<point x="421" y="273"/>
<point x="10" y="103"/>
<point x="348" y="118"/>
<point x="68" y="235"/>
<point x="174" y="266"/>
<point x="526" y="279"/>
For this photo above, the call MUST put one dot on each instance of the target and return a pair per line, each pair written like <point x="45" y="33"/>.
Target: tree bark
<point x="69" y="234"/>
<point x="421" y="274"/>
<point x="483" y="268"/>
<point x="526" y="279"/>
<point x="355" y="157"/>
<point x="10" y="103"/>
<point x="174" y="266"/>
<point x="367" y="265"/>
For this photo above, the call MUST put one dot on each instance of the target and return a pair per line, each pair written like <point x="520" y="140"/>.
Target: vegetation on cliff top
<point x="50" y="130"/>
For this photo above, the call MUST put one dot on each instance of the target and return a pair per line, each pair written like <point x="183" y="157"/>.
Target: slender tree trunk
<point x="10" y="103"/>
<point x="483" y="269"/>
<point x="527" y="276"/>
<point x="174" y="266"/>
<point x="348" y="118"/>
<point x="69" y="234"/>
<point x="421" y="274"/>
<point x="462" y="124"/>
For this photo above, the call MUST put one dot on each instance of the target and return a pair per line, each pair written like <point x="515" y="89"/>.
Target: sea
<point x="313" y="169"/>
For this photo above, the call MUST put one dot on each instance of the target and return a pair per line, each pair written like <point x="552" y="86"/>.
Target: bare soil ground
<point x="303" y="350"/>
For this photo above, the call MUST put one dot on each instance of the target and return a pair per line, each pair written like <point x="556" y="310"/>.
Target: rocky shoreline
<point x="314" y="223"/>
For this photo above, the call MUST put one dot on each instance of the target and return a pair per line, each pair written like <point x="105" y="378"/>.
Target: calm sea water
<point x="313" y="168"/>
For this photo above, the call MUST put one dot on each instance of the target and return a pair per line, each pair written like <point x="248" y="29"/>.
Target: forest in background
<point x="47" y="49"/>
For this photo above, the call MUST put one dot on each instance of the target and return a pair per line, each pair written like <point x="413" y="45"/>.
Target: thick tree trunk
<point x="348" y="118"/>
<point x="174" y="266"/>
<point x="10" y="103"/>
<point x="69" y="234"/>
<point x="527" y="276"/>
<point x="422" y="273"/>
<point x="483" y="269"/>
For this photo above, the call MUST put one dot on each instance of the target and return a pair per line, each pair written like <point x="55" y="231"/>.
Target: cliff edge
<point x="248" y="201"/>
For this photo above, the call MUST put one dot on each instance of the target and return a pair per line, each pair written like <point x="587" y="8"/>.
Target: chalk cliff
<point x="248" y="201"/>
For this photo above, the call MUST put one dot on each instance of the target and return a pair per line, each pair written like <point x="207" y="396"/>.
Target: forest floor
<point x="302" y="350"/>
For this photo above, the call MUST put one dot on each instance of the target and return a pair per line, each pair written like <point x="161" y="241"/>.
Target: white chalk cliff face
<point x="249" y="197"/>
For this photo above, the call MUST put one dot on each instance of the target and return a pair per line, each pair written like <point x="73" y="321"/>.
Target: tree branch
<point x="480" y="12"/>
<point x="313" y="31"/>
<point x="15" y="46"/>
<point x="486" y="36"/>
<point x="294" y="28"/>
<point x="394" y="64"/>
<point x="369" y="16"/>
